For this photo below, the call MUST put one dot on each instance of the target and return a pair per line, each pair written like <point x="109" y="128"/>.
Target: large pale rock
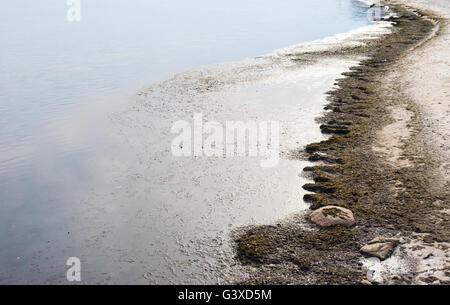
<point x="380" y="247"/>
<point x="332" y="216"/>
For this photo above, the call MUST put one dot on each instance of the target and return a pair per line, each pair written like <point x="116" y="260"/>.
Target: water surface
<point x="63" y="156"/>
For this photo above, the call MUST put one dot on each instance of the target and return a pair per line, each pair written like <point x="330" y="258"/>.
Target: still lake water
<point x="60" y="82"/>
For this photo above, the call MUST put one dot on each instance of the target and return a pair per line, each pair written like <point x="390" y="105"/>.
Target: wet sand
<point x="196" y="202"/>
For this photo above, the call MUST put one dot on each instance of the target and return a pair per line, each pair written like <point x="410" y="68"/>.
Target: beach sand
<point x="424" y="76"/>
<point x="421" y="121"/>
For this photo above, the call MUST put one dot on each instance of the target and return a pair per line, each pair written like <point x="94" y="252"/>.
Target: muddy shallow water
<point x="76" y="180"/>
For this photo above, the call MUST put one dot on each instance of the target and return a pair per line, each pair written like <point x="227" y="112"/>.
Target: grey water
<point x="60" y="82"/>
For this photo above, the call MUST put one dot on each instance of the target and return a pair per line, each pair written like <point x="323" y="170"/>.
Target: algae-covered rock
<point x="380" y="247"/>
<point x="329" y="216"/>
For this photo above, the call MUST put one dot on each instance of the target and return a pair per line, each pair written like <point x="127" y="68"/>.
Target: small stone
<point x="332" y="216"/>
<point x="365" y="282"/>
<point x="380" y="247"/>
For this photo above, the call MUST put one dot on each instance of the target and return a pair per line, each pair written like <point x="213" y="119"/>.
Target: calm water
<point x="60" y="82"/>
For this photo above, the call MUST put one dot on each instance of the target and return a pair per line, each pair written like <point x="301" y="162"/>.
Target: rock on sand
<point x="332" y="216"/>
<point x="380" y="247"/>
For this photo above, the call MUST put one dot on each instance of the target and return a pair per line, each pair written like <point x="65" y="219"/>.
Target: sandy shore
<point x="420" y="129"/>
<point x="424" y="76"/>
<point x="387" y="161"/>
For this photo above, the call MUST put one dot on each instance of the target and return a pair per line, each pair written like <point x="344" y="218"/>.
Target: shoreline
<point x="392" y="201"/>
<point x="205" y="198"/>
